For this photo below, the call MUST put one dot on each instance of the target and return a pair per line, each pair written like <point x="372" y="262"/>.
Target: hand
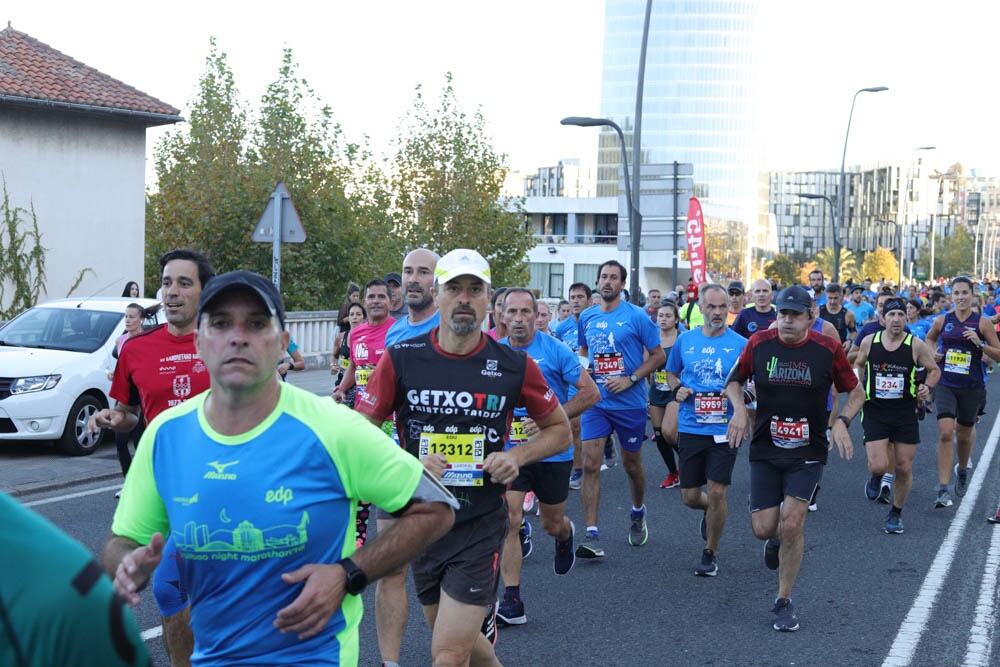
<point x="106" y="418"/>
<point x="137" y="567"/>
<point x="435" y="464"/>
<point x="938" y="356"/>
<point x="283" y="368"/>
<point x="737" y="427"/>
<point x="338" y="396"/>
<point x="682" y="394"/>
<point x="972" y="336"/>
<point x="618" y="383"/>
<point x="529" y="428"/>
<point x="321" y="596"/>
<point x="839" y="435"/>
<point x="502" y="467"/>
<point x="924" y="392"/>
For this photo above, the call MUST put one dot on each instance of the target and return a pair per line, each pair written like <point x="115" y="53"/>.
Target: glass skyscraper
<point x="699" y="102"/>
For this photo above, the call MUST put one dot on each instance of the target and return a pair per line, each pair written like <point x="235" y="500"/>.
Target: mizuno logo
<point x="220" y="470"/>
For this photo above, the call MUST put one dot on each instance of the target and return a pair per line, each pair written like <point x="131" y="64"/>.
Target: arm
<point x="860" y="361"/>
<point x="656" y="359"/>
<point x="345" y="384"/>
<point x="932" y="338"/>
<point x="130" y="564"/>
<point x="298" y="361"/>
<point x="587" y="395"/>
<point x="988" y="336"/>
<point x="554" y="436"/>
<point x="923" y="356"/>
<point x="121" y="418"/>
<point x="421" y="524"/>
<point x="335" y="357"/>
<point x="738" y="376"/>
<point x="681" y="393"/>
<point x="839" y="434"/>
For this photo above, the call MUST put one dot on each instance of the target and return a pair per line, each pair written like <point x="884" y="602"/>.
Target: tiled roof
<point x="32" y="71"/>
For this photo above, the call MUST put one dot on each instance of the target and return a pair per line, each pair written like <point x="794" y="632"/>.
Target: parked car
<point x="55" y="360"/>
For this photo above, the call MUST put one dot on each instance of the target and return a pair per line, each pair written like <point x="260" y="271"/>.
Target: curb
<point x="33" y="488"/>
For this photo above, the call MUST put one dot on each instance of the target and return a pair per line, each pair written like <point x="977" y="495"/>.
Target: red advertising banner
<point x="695" y="229"/>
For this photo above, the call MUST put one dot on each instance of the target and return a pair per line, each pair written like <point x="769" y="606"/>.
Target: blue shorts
<point x="168" y="586"/>
<point x="630" y="425"/>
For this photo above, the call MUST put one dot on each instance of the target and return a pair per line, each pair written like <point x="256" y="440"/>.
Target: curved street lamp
<point x="841" y="195"/>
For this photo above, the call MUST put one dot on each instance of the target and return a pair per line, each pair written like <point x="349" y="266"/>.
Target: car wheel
<point x="76" y="440"/>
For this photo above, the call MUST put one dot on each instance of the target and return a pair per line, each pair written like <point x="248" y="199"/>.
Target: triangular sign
<point x="291" y="227"/>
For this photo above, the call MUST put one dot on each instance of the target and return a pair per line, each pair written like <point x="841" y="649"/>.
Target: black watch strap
<point x="357" y="580"/>
<point x="846" y="420"/>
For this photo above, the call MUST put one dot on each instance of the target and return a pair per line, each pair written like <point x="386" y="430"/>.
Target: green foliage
<point x="783" y="270"/>
<point x="953" y="255"/>
<point x="848" y="264"/>
<point x="447" y="182"/>
<point x="880" y="264"/>
<point x="22" y="258"/>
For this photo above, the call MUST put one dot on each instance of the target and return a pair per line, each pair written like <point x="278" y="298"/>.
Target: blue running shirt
<point x="402" y="329"/>
<point x="566" y="331"/>
<point x="615" y="344"/>
<point x="702" y="363"/>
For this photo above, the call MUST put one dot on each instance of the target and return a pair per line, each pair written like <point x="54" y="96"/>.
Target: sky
<point x="527" y="64"/>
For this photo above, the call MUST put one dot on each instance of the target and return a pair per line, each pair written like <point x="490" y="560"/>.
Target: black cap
<point x="736" y="285"/>
<point x="857" y="288"/>
<point x="793" y="298"/>
<point x="393" y="277"/>
<point x="247" y="280"/>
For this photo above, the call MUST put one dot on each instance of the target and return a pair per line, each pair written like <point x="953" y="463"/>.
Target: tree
<point x="783" y="270"/>
<point x="880" y="264"/>
<point x="848" y="264"/>
<point x="447" y="182"/>
<point x="953" y="255"/>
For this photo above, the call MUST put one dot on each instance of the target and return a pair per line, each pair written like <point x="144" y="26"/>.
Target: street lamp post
<point x="634" y="217"/>
<point x="842" y="196"/>
<point x="833" y="222"/>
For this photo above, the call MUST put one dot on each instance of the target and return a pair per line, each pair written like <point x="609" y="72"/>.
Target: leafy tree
<point x="447" y="182"/>
<point x="783" y="270"/>
<point x="848" y="264"/>
<point x="805" y="269"/>
<point x="953" y="255"/>
<point x="880" y="264"/>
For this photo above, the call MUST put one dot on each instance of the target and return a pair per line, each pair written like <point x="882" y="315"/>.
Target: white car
<point x="54" y="365"/>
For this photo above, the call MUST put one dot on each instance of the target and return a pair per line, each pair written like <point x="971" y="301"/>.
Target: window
<point x="586" y="274"/>
<point x="547" y="278"/>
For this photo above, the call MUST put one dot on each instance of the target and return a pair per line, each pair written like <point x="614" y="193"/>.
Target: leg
<point x="510" y="562"/>
<point x="455" y="638"/>
<point x="904" y="472"/>
<point x="878" y="456"/>
<point x="391" y="610"/>
<point x="178" y="638"/>
<point x="715" y="516"/>
<point x="574" y="427"/>
<point x="765" y="523"/>
<point x="590" y="495"/>
<point x="554" y="521"/>
<point x="695" y="498"/>
<point x="632" y="462"/>
<point x="945" y="457"/>
<point x="966" y="438"/>
<point x="124" y="454"/>
<point x="790" y="530"/>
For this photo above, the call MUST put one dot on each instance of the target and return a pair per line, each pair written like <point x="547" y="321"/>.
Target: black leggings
<point x="121" y="442"/>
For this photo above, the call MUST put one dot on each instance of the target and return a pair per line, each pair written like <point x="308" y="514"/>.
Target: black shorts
<point x="894" y="425"/>
<point x="464" y="562"/>
<point x="658" y="397"/>
<point x="773" y="479"/>
<point x="547" y="480"/>
<point x="962" y="405"/>
<point x="703" y="459"/>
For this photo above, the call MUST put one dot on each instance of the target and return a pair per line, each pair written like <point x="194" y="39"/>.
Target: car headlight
<point x="35" y="383"/>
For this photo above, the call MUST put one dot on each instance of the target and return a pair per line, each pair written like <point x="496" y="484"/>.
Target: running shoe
<point x="511" y="612"/>
<point x="884" y="494"/>
<point x="943" y="499"/>
<point x="590" y="547"/>
<point x="995" y="518"/>
<point x="489" y="626"/>
<point x="637" y="532"/>
<point x="784" y="616"/>
<point x="772" y="550"/>
<point x="565" y="558"/>
<point x="610" y="454"/>
<point x="703" y="526"/>
<point x="812" y="501"/>
<point x="118" y="493"/>
<point x="524" y="534"/>
<point x="576" y="479"/>
<point x="709" y="565"/>
<point x="872" y="487"/>
<point x="529" y="502"/>
<point x="893" y="524"/>
<point x="961" y="483"/>
<point x="671" y="480"/>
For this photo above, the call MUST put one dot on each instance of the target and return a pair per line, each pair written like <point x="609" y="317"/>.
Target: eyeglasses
<point x="734" y="292"/>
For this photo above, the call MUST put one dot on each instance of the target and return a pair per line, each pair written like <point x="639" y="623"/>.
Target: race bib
<point x="889" y="386"/>
<point x="517" y="432"/>
<point x="660" y="381"/>
<point x="465" y="454"/>
<point x="957" y="361"/>
<point x="344" y="363"/>
<point x="362" y="374"/>
<point x="710" y="407"/>
<point x="789" y="432"/>
<point x="608" y="365"/>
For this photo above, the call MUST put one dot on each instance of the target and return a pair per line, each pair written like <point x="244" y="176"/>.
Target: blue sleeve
<point x="569" y="364"/>
<point x="674" y="362"/>
<point x="650" y="332"/>
<point x="581" y="331"/>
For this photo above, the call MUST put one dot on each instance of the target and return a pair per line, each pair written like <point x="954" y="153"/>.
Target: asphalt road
<point x="927" y="597"/>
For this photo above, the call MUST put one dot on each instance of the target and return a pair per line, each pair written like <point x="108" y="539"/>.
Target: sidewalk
<point x="30" y="467"/>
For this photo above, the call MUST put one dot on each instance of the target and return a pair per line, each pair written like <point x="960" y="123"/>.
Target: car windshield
<point x="73" y="329"/>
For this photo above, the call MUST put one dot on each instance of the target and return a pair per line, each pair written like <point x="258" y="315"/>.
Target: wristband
<point x="846" y="420"/>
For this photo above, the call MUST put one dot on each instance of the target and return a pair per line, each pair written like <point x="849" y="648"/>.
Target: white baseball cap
<point x="462" y="262"/>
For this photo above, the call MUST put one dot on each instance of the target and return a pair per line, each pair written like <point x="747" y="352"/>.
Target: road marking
<point x="913" y="626"/>
<point x="152" y="633"/>
<point x="981" y="634"/>
<point x="71" y="496"/>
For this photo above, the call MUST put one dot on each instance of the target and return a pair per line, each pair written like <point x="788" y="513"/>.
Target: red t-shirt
<point x="158" y="370"/>
<point x="367" y="347"/>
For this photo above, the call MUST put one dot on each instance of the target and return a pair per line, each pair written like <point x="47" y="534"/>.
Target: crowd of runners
<point x="461" y="408"/>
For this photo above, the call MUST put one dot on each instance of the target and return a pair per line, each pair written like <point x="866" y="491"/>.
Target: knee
<point x="716" y="494"/>
<point x="791" y="526"/>
<point x="761" y="530"/>
<point x="691" y="497"/>
<point x="551" y="525"/>
<point x="903" y="468"/>
<point x="446" y="656"/>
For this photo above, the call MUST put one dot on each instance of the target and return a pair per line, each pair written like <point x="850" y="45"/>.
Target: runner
<point x="662" y="405"/>
<point x="258" y="481"/>
<point x="546" y="478"/>
<point x="794" y="369"/>
<point x="816" y="287"/>
<point x="613" y="338"/>
<point x="760" y="317"/>
<point x="367" y="340"/>
<point x="653" y="301"/>
<point x="736" y="301"/>
<point x="863" y="311"/>
<point x="696" y="370"/>
<point x="453" y="391"/>
<point x="160" y="368"/>
<point x="960" y="339"/>
<point x="841" y="318"/>
<point x="568" y="333"/>
<point x="887" y="364"/>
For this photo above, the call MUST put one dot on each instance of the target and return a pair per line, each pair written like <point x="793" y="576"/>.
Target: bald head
<point x="418" y="279"/>
<point x="761" y="293"/>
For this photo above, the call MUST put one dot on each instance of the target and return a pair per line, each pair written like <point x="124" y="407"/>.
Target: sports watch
<point x="357" y="580"/>
<point x="634" y="378"/>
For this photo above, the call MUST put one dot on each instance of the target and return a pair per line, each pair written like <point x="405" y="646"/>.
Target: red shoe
<point x="995" y="518"/>
<point x="672" y="480"/>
